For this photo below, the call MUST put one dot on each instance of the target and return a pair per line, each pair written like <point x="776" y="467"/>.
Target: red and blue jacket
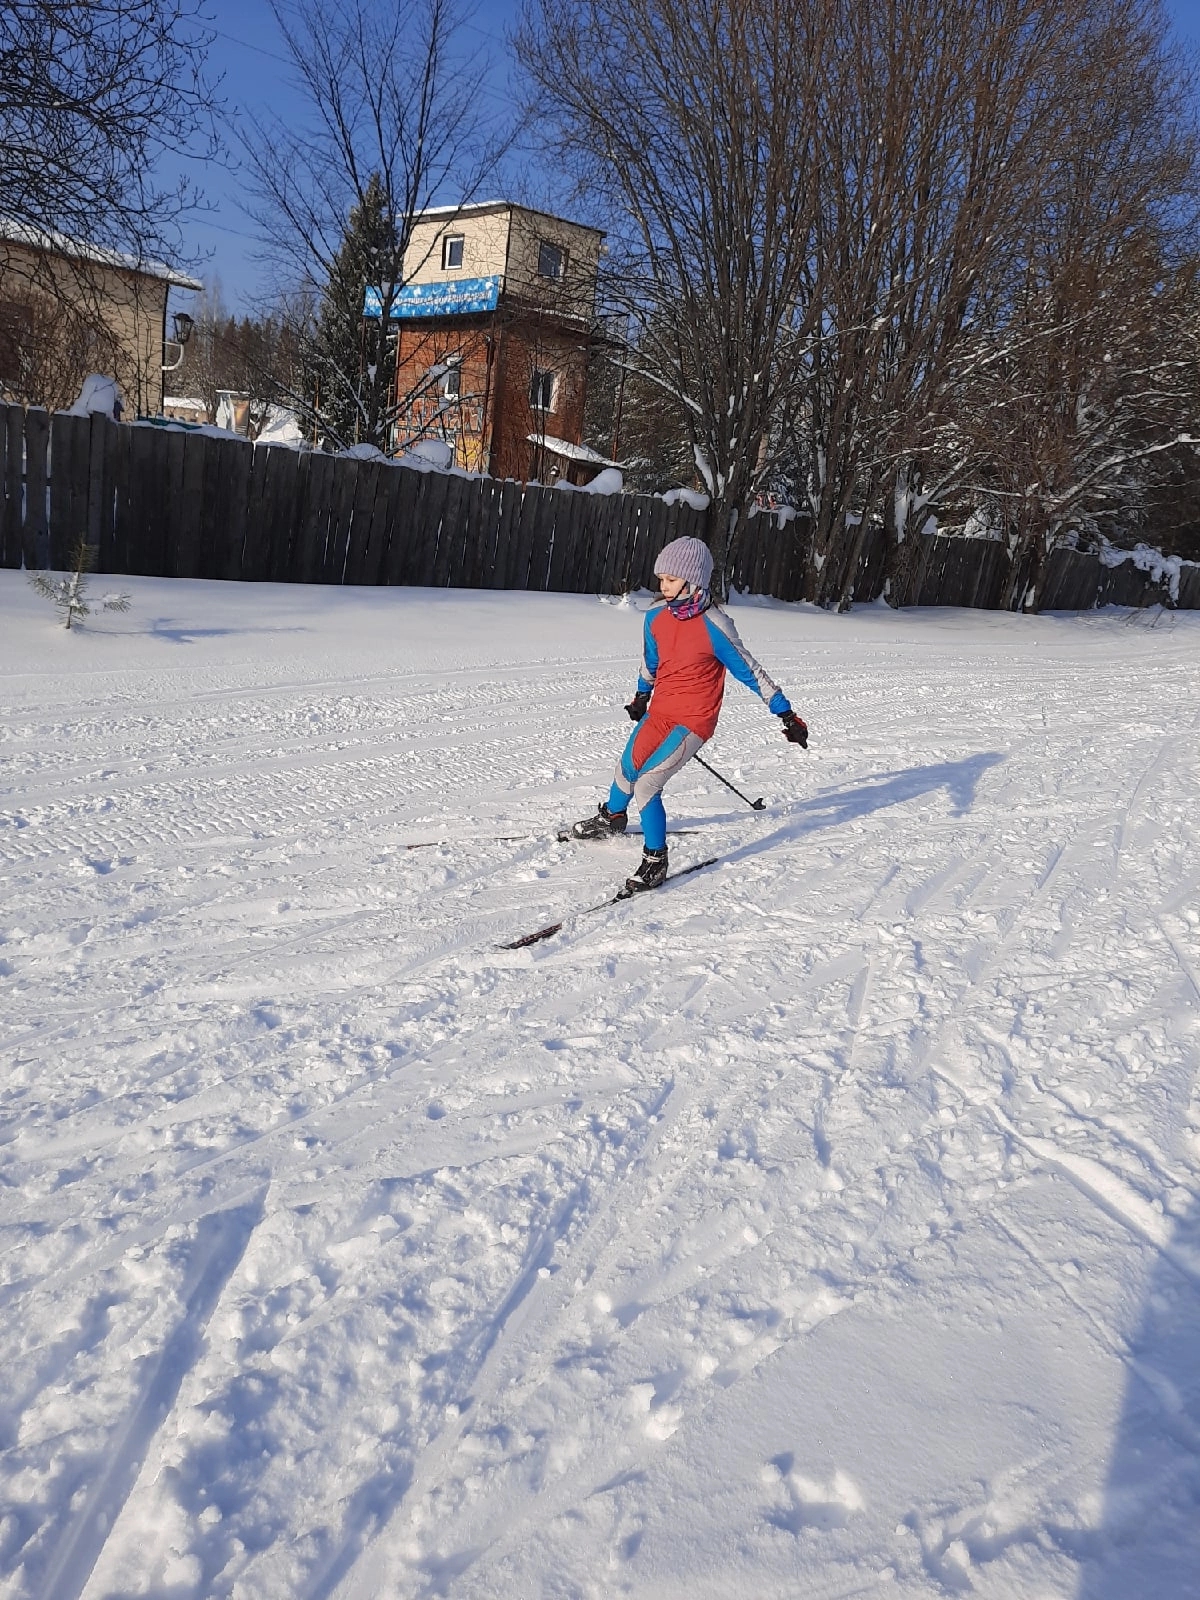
<point x="684" y="662"/>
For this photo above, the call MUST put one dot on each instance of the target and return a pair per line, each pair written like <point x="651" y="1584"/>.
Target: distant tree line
<point x="256" y="356"/>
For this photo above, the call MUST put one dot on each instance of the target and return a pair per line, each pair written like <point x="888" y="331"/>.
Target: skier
<point x="688" y="645"/>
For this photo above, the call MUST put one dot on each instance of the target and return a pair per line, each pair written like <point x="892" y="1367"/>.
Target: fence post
<point x="12" y="452"/>
<point x="35" y="531"/>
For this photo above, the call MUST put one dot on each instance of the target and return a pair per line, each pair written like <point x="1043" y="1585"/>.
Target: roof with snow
<point x="569" y="451"/>
<point x="62" y="244"/>
<point x="474" y="208"/>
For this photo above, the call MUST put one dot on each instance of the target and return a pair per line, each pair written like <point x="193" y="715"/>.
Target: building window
<point x="452" y="377"/>
<point x="543" y="390"/>
<point x="452" y="251"/>
<point x="552" y="261"/>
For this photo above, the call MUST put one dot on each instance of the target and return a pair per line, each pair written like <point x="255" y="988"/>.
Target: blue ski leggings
<point x="655" y="752"/>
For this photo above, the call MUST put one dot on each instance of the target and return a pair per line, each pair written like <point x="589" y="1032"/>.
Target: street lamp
<point x="182" y="326"/>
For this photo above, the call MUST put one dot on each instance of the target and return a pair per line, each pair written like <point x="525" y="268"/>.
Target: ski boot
<point x="603" y="825"/>
<point x="651" y="873"/>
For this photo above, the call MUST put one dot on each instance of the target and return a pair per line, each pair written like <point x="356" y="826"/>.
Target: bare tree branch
<point x="396" y="124"/>
<point x="93" y="93"/>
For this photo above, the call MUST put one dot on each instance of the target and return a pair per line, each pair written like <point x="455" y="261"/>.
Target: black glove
<point x="637" y="706"/>
<point x="795" y="729"/>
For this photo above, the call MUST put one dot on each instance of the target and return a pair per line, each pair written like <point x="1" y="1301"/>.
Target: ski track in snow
<point x="826" y="1224"/>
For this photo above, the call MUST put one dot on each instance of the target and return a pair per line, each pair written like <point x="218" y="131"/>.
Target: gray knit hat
<point x="689" y="559"/>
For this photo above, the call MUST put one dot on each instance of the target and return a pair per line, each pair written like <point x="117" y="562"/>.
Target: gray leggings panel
<point x="651" y="780"/>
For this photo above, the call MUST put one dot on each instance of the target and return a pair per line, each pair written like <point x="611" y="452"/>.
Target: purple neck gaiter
<point x="691" y="605"/>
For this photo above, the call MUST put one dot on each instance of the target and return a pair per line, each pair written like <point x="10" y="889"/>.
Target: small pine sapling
<point x="68" y="593"/>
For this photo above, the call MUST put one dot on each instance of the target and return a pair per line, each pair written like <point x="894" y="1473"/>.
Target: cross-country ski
<point x="552" y="928"/>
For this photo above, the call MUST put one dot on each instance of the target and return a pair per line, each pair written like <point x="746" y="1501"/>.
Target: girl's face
<point x="670" y="588"/>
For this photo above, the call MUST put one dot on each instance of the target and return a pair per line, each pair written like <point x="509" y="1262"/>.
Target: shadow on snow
<point x="959" y="779"/>
<point x="1148" y="1542"/>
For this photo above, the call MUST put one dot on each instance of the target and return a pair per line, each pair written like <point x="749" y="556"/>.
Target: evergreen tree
<point x="353" y="359"/>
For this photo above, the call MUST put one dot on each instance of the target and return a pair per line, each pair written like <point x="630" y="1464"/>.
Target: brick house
<point x="492" y="330"/>
<point x="68" y="308"/>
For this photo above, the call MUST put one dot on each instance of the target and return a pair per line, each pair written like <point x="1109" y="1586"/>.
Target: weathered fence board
<point x="148" y="480"/>
<point x="190" y="550"/>
<point x="98" y="531"/>
<point x="872" y="567"/>
<point x="482" y="562"/>
<point x="35" y="530"/>
<point x="341" y="487"/>
<point x="184" y="511"/>
<point x="600" y="527"/>
<point x="541" y="534"/>
<point x="563" y="513"/>
<point x="573" y="521"/>
<point x="361" y="517"/>
<point x="279" y="511"/>
<point x="235" y="485"/>
<point x="12" y="485"/>
<point x="68" y="487"/>
<point x="186" y="504"/>
<point x="173" y="518"/>
<point x="505" y="503"/>
<point x="114" y="552"/>
<point x="403" y="539"/>
<point x="312" y="520"/>
<point x="465" y="526"/>
<point x="254" y="554"/>
<point x="617" y="580"/>
<point x="379" y="532"/>
<point x="649" y="542"/>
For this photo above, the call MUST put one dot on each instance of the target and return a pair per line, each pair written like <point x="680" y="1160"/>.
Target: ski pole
<point x="755" y="805"/>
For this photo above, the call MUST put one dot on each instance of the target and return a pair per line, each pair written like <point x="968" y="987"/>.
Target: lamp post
<point x="182" y="327"/>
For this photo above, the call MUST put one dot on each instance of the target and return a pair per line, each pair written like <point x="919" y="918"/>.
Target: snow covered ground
<point x="827" y="1224"/>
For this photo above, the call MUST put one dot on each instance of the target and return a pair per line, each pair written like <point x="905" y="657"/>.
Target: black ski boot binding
<point x="603" y="825"/>
<point x="651" y="873"/>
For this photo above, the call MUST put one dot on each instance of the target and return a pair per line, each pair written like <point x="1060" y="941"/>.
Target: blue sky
<point x="247" y="52"/>
<point x="248" y="55"/>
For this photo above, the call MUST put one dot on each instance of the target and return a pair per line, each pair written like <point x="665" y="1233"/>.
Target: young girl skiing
<point x="688" y="645"/>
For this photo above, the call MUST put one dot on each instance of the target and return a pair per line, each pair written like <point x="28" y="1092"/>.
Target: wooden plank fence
<point x="166" y="502"/>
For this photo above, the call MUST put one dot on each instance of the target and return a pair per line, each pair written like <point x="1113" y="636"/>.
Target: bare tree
<point x="939" y="117"/>
<point x="992" y="173"/>
<point x="93" y="93"/>
<point x="396" y="124"/>
<point x="1083" y="380"/>
<point x="633" y="419"/>
<point x="689" y="125"/>
<point x="855" y="241"/>
<point x="254" y="357"/>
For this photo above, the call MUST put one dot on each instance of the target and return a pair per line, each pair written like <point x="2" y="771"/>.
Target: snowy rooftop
<point x="81" y="250"/>
<point x="475" y="207"/>
<point x="569" y="451"/>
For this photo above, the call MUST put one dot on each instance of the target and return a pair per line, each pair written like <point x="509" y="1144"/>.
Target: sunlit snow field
<point x="824" y="1225"/>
